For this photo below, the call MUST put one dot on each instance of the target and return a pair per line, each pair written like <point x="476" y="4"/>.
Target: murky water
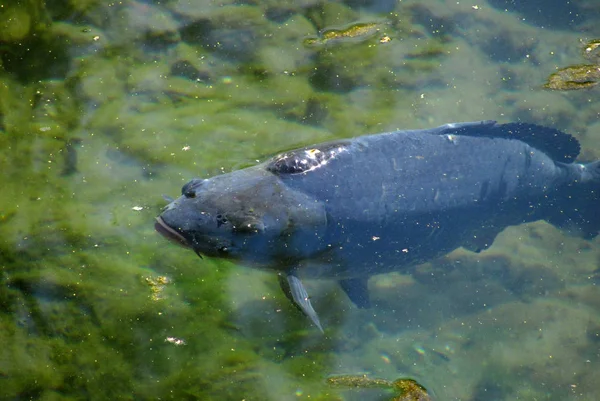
<point x="105" y="107"/>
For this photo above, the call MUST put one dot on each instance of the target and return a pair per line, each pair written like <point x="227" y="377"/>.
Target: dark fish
<point x="354" y="208"/>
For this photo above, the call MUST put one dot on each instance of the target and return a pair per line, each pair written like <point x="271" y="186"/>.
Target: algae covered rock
<point x="578" y="76"/>
<point x="356" y="32"/>
<point x="591" y="51"/>
<point x="403" y="389"/>
<point x="574" y="77"/>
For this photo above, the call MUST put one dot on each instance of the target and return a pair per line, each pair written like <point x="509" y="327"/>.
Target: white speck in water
<point x="175" y="340"/>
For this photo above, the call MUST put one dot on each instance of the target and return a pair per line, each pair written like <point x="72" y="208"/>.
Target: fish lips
<point x="174" y="236"/>
<point x="170" y="233"/>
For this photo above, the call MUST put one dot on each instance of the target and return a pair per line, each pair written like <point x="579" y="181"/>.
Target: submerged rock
<point x="578" y="76"/>
<point x="404" y="389"/>
<point x="357" y="32"/>
<point x="574" y="77"/>
<point x="591" y="51"/>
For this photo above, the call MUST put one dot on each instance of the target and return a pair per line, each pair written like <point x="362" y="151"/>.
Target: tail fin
<point x="576" y="209"/>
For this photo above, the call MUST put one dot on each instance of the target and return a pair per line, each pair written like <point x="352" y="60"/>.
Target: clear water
<point x="105" y="107"/>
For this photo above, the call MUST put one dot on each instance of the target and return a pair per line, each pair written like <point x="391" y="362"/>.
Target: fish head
<point x="245" y="215"/>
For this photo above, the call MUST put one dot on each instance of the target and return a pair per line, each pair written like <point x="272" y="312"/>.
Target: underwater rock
<point x="574" y="77"/>
<point x="591" y="51"/>
<point x="404" y="389"/>
<point x="357" y="32"/>
<point x="410" y="390"/>
<point x="578" y="76"/>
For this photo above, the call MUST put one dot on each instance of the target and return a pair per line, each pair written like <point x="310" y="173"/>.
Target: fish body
<point x="354" y="208"/>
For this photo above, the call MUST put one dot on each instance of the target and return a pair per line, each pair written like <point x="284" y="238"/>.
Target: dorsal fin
<point x="558" y="145"/>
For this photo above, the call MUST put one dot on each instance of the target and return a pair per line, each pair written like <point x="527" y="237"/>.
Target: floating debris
<point x="404" y="389"/>
<point x="175" y="341"/>
<point x="157" y="286"/>
<point x="574" y="77"/>
<point x="358" y="32"/>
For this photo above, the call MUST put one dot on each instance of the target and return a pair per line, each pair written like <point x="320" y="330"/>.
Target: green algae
<point x="84" y="313"/>
<point x="15" y="106"/>
<point x="89" y="149"/>
<point x="330" y="14"/>
<point x="95" y="325"/>
<point x="76" y="35"/>
<point x="15" y="23"/>
<point x="20" y="20"/>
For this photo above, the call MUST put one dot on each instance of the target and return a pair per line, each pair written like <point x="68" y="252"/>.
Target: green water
<point x="105" y="107"/>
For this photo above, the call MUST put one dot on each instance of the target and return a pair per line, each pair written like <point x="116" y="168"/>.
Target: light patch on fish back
<point x="307" y="159"/>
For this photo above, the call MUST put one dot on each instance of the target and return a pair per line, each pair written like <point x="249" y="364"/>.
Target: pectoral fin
<point x="357" y="291"/>
<point x="292" y="287"/>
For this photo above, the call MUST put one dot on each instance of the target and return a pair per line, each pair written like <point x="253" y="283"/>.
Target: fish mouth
<point x="169" y="233"/>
